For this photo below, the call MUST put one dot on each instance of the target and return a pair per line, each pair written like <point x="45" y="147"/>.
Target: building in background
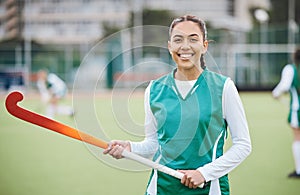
<point x="228" y="14"/>
<point x="57" y="34"/>
<point x="80" y="21"/>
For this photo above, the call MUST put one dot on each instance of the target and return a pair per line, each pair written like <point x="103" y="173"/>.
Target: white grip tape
<point x="154" y="165"/>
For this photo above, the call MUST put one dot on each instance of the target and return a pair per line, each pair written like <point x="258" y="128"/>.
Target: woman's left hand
<point x="192" y="178"/>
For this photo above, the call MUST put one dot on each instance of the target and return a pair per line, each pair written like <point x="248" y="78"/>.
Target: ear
<point x="205" y="44"/>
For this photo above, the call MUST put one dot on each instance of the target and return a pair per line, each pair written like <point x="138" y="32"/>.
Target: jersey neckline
<point x="192" y="90"/>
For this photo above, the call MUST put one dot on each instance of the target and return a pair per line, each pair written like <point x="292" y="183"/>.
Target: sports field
<point x="35" y="161"/>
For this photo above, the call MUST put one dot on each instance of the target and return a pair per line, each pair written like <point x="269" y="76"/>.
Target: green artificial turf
<point x="35" y="161"/>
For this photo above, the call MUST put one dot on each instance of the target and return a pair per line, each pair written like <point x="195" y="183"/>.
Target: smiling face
<point x="186" y="45"/>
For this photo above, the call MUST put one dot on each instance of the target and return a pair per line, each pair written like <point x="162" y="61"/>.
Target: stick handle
<point x="154" y="165"/>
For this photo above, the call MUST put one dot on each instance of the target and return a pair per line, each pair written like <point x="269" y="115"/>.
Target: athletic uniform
<point x="290" y="82"/>
<point x="186" y="127"/>
<point x="54" y="87"/>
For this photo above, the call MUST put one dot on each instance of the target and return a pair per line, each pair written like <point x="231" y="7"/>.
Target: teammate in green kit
<point x="290" y="81"/>
<point x="188" y="112"/>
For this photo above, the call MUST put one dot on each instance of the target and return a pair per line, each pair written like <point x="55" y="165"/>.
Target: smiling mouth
<point x="185" y="55"/>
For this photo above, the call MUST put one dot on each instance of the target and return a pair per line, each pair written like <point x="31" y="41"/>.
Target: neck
<point x="188" y="74"/>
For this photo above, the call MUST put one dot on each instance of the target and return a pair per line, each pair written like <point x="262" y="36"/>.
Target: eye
<point x="177" y="40"/>
<point x="193" y="40"/>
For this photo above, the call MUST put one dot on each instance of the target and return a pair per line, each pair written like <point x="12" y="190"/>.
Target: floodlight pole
<point x="137" y="32"/>
<point x="27" y="39"/>
<point x="292" y="26"/>
<point x="262" y="17"/>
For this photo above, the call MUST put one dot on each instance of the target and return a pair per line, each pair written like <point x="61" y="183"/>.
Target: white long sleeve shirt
<point x="285" y="83"/>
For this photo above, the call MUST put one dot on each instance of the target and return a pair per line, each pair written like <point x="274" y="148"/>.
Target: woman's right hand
<point x="116" y="147"/>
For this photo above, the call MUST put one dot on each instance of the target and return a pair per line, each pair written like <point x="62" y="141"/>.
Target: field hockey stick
<point x="11" y="105"/>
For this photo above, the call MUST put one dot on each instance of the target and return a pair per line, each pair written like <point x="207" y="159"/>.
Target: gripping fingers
<point x="191" y="179"/>
<point x="116" y="151"/>
<point x="188" y="182"/>
<point x="185" y="181"/>
<point x="108" y="149"/>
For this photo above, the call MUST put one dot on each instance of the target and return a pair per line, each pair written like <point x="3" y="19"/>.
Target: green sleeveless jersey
<point x="191" y="131"/>
<point x="294" y="95"/>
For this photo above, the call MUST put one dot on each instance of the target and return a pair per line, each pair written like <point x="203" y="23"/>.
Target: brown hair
<point x="201" y="25"/>
<point x="296" y="57"/>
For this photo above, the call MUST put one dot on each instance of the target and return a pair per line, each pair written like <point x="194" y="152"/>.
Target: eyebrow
<point x="191" y="35"/>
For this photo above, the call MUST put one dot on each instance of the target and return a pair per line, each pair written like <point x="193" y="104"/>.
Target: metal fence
<point x="253" y="60"/>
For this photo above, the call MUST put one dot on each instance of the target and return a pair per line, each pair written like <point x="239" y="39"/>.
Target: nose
<point x="185" y="45"/>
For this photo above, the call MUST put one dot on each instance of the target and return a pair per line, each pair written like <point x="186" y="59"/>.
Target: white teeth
<point x="186" y="55"/>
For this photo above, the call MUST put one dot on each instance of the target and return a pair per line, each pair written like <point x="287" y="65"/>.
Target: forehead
<point x="186" y="28"/>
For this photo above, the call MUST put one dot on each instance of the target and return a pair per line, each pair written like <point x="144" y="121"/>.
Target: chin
<point x="186" y="66"/>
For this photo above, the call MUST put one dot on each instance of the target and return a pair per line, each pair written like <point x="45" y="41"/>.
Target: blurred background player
<point x="290" y="81"/>
<point x="52" y="90"/>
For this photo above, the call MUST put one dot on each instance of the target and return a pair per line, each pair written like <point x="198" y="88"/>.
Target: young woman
<point x="187" y="115"/>
<point x="290" y="81"/>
